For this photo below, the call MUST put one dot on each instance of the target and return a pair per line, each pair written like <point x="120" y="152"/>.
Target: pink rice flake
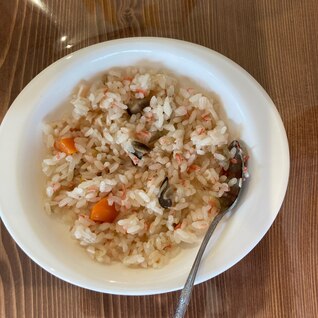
<point x="124" y="192"/>
<point x="201" y="130"/>
<point x="125" y="205"/>
<point x="184" y="224"/>
<point x="69" y="186"/>
<point x="148" y="114"/>
<point x="56" y="186"/>
<point x="146" y="226"/>
<point x="135" y="160"/>
<point x="213" y="203"/>
<point x="200" y="225"/>
<point x="127" y="78"/>
<point x="141" y="91"/>
<point x="177" y="226"/>
<point x="187" y="115"/>
<point x="179" y="158"/>
<point x="193" y="168"/>
<point x="245" y="172"/>
<point x="213" y="211"/>
<point x="206" y="117"/>
<point x="149" y="117"/>
<point x="74" y="129"/>
<point x="143" y="135"/>
<point x="181" y="179"/>
<point x="92" y="188"/>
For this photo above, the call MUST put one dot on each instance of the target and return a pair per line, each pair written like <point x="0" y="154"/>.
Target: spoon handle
<point x="187" y="289"/>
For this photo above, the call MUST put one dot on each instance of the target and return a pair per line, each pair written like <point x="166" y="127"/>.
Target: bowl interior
<point x="247" y="110"/>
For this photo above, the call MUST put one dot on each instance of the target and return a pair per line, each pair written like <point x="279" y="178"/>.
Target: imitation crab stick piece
<point x="66" y="145"/>
<point x="177" y="226"/>
<point x="193" y="168"/>
<point x="103" y="212"/>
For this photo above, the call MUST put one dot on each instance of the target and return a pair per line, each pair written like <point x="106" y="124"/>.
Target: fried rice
<point x="154" y="149"/>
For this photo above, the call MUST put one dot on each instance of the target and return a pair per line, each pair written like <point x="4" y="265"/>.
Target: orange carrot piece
<point x="103" y="212"/>
<point x="66" y="145"/>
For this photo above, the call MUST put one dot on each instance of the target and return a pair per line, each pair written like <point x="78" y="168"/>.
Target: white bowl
<point x="250" y="114"/>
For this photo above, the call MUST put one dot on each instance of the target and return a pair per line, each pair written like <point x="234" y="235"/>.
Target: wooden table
<point x="274" y="40"/>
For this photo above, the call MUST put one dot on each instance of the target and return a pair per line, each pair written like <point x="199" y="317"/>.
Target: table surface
<point x="276" y="42"/>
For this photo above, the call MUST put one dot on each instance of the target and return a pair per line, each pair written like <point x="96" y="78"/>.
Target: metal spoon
<point x="237" y="169"/>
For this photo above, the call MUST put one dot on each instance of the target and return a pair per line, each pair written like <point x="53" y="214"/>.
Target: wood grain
<point x="276" y="41"/>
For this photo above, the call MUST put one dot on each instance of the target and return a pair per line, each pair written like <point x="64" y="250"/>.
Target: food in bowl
<point x="138" y="166"/>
